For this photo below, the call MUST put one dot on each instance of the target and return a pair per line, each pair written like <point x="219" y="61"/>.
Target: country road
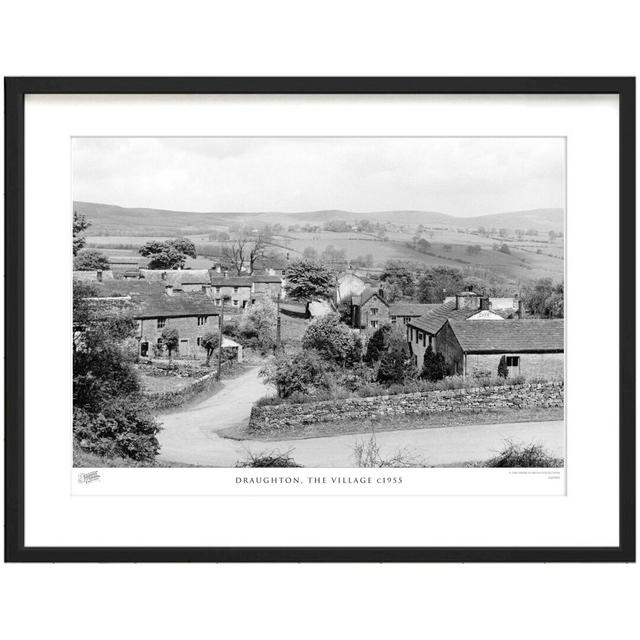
<point x="189" y="436"/>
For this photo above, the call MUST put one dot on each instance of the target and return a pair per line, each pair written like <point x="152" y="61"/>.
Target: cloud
<point x="460" y="176"/>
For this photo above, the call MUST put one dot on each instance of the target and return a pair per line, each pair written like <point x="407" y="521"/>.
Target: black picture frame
<point x="15" y="91"/>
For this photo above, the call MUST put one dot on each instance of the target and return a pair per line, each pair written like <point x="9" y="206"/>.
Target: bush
<point x="521" y="455"/>
<point x="123" y="429"/>
<point x="269" y="459"/>
<point x="303" y="373"/>
<point x="396" y="366"/>
<point x="257" y="326"/>
<point x="333" y="340"/>
<point x="433" y="367"/>
<point x="503" y="370"/>
<point x="367" y="455"/>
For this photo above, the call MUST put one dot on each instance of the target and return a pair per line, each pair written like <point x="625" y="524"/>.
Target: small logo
<point x="88" y="477"/>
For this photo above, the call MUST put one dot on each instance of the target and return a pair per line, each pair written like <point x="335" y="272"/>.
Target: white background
<point x="328" y="38"/>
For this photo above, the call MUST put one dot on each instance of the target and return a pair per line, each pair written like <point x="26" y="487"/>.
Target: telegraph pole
<point x="278" y="323"/>
<point x="221" y="324"/>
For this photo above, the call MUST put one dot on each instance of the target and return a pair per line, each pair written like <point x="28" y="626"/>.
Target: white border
<point x="587" y="516"/>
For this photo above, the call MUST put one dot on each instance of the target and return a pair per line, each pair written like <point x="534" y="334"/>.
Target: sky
<point x="458" y="176"/>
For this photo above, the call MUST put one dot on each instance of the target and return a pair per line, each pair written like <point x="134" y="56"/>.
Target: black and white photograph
<point x="322" y="302"/>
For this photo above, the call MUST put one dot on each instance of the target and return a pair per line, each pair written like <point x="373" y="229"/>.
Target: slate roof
<point x="176" y="276"/>
<point x="512" y="336"/>
<point x="367" y="294"/>
<point x="410" y="309"/>
<point x="163" y="306"/>
<point x="433" y="321"/>
<point x="231" y="281"/>
<point x="92" y="276"/>
<point x="114" y="288"/>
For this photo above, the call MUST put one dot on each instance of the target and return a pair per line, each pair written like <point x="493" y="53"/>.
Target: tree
<point x="503" y="370"/>
<point x="473" y="249"/>
<point x="552" y="236"/>
<point x="210" y="342"/>
<point x="543" y="299"/>
<point x="168" y="254"/>
<point x="395" y="365"/>
<point x="397" y="272"/>
<point x="437" y="283"/>
<point x="433" y="367"/>
<point x="333" y="340"/>
<point x="504" y="248"/>
<point x="308" y="280"/>
<point x="243" y="252"/>
<point x="257" y="325"/>
<point x="80" y="224"/>
<point x="171" y="340"/>
<point x="377" y="344"/>
<point x="90" y="260"/>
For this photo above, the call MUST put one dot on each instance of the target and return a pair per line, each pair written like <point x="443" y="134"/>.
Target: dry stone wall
<point x="270" y="420"/>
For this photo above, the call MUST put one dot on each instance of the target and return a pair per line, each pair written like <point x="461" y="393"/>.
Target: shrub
<point x="333" y="340"/>
<point x="503" y="370"/>
<point x="303" y="373"/>
<point x="367" y="455"/>
<point x="91" y="260"/>
<point x="269" y="459"/>
<point x="257" y="326"/>
<point x="433" y="367"/>
<point x="524" y="455"/>
<point x="396" y="365"/>
<point x="125" y="428"/>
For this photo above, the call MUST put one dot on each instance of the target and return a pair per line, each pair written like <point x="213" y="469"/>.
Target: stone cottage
<point x="369" y="310"/>
<point x="422" y="331"/>
<point x="533" y="348"/>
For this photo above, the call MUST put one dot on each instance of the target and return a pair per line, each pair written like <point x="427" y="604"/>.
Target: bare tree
<point x="244" y="252"/>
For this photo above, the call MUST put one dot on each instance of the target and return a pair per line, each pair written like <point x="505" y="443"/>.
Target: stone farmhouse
<point x="533" y="348"/>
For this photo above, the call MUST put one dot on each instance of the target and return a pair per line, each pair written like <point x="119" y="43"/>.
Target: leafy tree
<point x="433" y="367"/>
<point x="331" y="254"/>
<point x="168" y="254"/>
<point x="80" y="224"/>
<point x="171" y="340"/>
<point x="473" y="249"/>
<point x="333" y="340"/>
<point x="377" y="344"/>
<point x="397" y="272"/>
<point x="257" y="325"/>
<point x="503" y="370"/>
<point x="437" y="283"/>
<point x="90" y="260"/>
<point x="304" y="372"/>
<point x="504" y="248"/>
<point x="308" y="281"/>
<point x="543" y="299"/>
<point x="210" y="342"/>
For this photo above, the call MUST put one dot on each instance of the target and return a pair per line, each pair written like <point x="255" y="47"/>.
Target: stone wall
<point x="270" y="420"/>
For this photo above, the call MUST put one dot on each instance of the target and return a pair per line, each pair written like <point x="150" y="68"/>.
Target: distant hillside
<point x="109" y="219"/>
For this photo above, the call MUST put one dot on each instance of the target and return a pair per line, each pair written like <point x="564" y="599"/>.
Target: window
<point x="513" y="361"/>
<point x="374" y="311"/>
<point x="217" y="302"/>
<point x="161" y="322"/>
<point x="202" y="320"/>
<point x="235" y="289"/>
<point x="418" y="336"/>
<point x="393" y="319"/>
<point x="235" y="303"/>
<point x="406" y="319"/>
<point x="198" y="341"/>
<point x="374" y="323"/>
<point x="217" y="289"/>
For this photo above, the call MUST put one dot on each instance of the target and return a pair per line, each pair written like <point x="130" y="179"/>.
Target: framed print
<point x="320" y="319"/>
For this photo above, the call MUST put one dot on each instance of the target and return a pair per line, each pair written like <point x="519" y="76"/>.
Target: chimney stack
<point x="485" y="304"/>
<point x="520" y="310"/>
<point x="99" y="275"/>
<point x="381" y="292"/>
<point x="226" y="273"/>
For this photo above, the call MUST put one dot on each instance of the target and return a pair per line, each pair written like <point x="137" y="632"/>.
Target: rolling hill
<point x="109" y="219"/>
